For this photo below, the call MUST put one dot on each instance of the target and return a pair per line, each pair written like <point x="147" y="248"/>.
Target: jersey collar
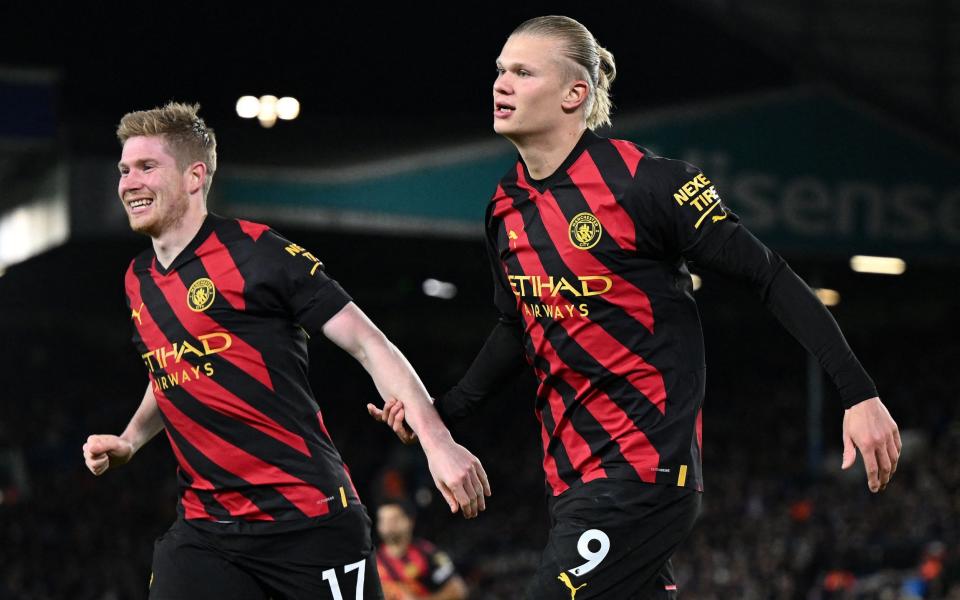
<point x="587" y="139"/>
<point x="188" y="253"/>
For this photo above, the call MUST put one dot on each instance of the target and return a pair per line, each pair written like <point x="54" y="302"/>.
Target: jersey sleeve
<point x="675" y="207"/>
<point x="499" y="360"/>
<point x="297" y="282"/>
<point x="680" y="214"/>
<point x="740" y="255"/>
<point x="442" y="569"/>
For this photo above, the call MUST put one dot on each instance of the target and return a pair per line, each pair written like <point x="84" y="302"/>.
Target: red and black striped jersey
<point x="591" y="261"/>
<point x="420" y="571"/>
<point x="223" y="334"/>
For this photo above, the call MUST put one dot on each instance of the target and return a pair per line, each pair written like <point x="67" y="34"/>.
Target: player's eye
<point x="524" y="73"/>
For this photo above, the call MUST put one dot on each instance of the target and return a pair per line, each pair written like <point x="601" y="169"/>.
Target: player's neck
<point x="396" y="550"/>
<point x="543" y="154"/>
<point x="174" y="239"/>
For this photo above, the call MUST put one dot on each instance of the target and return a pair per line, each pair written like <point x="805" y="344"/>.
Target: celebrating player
<point x="412" y="568"/>
<point x="221" y="311"/>
<point x="589" y="240"/>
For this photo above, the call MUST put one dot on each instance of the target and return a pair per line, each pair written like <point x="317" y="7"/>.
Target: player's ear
<point x="196" y="176"/>
<point x="575" y="94"/>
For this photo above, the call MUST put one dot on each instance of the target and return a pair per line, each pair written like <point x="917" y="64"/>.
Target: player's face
<point x="152" y="188"/>
<point x="529" y="89"/>
<point x="393" y="524"/>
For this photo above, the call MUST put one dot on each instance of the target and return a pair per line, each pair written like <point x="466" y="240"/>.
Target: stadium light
<point x="267" y="109"/>
<point x="827" y="296"/>
<point x="880" y="265"/>
<point x="697" y="282"/>
<point x="439" y="289"/>
<point x="248" y="107"/>
<point x="288" y="108"/>
<point x="32" y="228"/>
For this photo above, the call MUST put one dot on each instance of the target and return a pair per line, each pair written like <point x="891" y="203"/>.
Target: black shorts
<point x="333" y="560"/>
<point x="614" y="539"/>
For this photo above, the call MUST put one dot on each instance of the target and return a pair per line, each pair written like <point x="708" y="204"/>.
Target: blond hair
<point x="187" y="136"/>
<point x="579" y="45"/>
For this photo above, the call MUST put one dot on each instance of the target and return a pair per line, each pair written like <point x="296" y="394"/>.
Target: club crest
<point x="585" y="231"/>
<point x="201" y="294"/>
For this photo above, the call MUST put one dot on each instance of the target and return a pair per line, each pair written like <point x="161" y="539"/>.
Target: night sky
<point x="369" y="82"/>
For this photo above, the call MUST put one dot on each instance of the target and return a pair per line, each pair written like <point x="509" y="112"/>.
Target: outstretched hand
<point x="459" y="476"/>
<point x="393" y="415"/>
<point x="456" y="472"/>
<point x="868" y="426"/>
<point x="104" y="451"/>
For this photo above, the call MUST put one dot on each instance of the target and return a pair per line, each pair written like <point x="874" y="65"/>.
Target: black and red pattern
<point x="230" y="378"/>
<point x="420" y="571"/>
<point x="611" y="330"/>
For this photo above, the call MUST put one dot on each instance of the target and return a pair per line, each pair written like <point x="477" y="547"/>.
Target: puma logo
<point x="563" y="577"/>
<point x="135" y="314"/>
<point x="719" y="218"/>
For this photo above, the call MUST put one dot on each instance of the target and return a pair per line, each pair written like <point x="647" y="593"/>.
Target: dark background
<point x="374" y="82"/>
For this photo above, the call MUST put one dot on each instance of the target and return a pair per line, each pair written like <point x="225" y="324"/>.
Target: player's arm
<point x="679" y="212"/>
<point x="867" y="424"/>
<point x="458" y="474"/>
<point x="103" y="451"/>
<point x="500" y="359"/>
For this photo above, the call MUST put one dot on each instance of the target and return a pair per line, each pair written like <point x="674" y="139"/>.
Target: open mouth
<point x="501" y="107"/>
<point x="140" y="202"/>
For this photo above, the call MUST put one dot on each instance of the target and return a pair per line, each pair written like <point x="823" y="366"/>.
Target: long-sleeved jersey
<point x="591" y="280"/>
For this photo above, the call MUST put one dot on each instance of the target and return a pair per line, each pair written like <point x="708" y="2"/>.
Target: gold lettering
<point x="558" y="313"/>
<point x="208" y="369"/>
<point x="225" y="339"/>
<point x="185" y="346"/>
<point x="565" y="285"/>
<point x="689" y="189"/>
<point x="514" y="279"/>
<point x="536" y="310"/>
<point x="196" y="372"/>
<point x="163" y="356"/>
<point x="548" y="284"/>
<point x="146" y="360"/>
<point x="185" y="376"/>
<point x="294" y="249"/>
<point x="585" y="282"/>
<point x="526" y="310"/>
<point x="174" y="378"/>
<point x="570" y="309"/>
<point x="584" y="311"/>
